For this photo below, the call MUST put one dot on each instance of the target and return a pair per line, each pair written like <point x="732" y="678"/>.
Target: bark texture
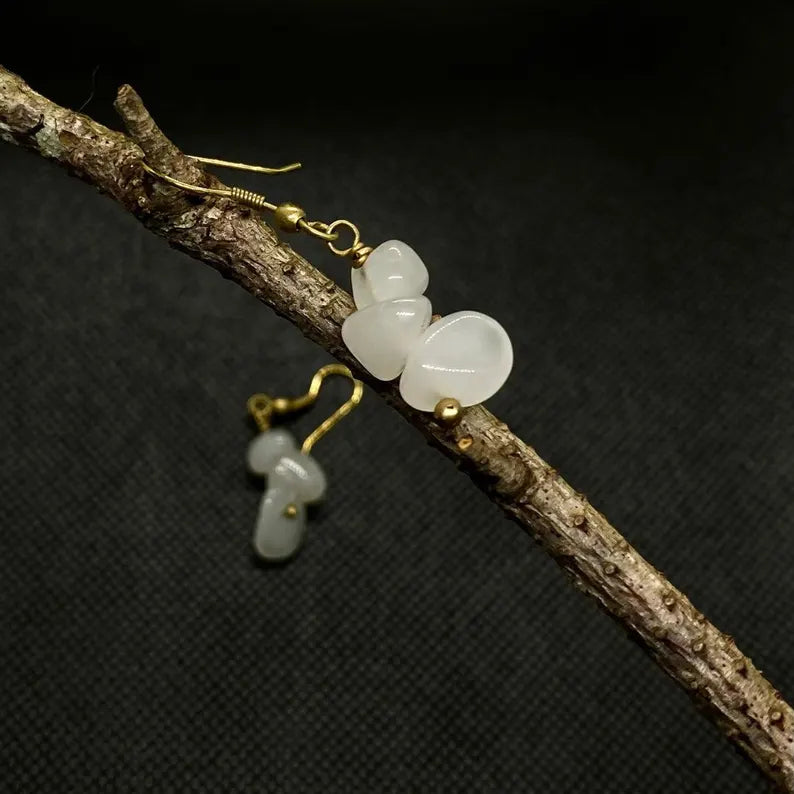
<point x="731" y="691"/>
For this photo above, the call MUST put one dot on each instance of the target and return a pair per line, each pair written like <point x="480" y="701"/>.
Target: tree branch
<point x="232" y="239"/>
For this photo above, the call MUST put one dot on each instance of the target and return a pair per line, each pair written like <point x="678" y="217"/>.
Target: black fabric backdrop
<point x="624" y="208"/>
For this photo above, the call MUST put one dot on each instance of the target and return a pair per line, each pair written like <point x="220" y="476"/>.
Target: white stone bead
<point x="278" y="534"/>
<point x="303" y="474"/>
<point x="393" y="270"/>
<point x="267" y="448"/>
<point x="465" y="355"/>
<point x="381" y="336"/>
<point x="293" y="481"/>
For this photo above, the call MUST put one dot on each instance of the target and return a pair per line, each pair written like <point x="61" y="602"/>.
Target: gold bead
<point x="291" y="510"/>
<point x="447" y="412"/>
<point x="281" y="405"/>
<point x="288" y="215"/>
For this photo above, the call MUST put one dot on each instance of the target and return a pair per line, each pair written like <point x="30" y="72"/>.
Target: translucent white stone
<point x="465" y="355"/>
<point x="393" y="270"/>
<point x="278" y="534"/>
<point x="293" y="481"/>
<point x="382" y="335"/>
<point x="303" y="474"/>
<point x="266" y="449"/>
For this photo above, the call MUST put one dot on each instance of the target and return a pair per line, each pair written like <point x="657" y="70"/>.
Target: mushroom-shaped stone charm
<point x="294" y="479"/>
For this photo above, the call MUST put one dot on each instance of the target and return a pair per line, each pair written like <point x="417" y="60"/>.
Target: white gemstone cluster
<point x="466" y="355"/>
<point x="294" y="479"/>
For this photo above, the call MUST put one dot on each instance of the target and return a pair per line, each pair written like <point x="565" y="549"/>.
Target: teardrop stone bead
<point x="466" y="355"/>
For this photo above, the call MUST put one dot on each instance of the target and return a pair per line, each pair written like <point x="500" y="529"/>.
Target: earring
<point x="294" y="478"/>
<point x="444" y="363"/>
<point x="456" y="361"/>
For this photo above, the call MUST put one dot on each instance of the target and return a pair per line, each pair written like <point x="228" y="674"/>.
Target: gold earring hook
<point x="262" y="407"/>
<point x="259" y="169"/>
<point x="341" y="412"/>
<point x="247" y="197"/>
<point x="288" y="217"/>
<point x="242" y="195"/>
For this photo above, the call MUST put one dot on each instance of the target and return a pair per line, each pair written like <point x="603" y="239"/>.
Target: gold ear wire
<point x="259" y="169"/>
<point x="341" y="412"/>
<point x="247" y="197"/>
<point x="242" y="195"/>
<point x="262" y="407"/>
<point x="288" y="217"/>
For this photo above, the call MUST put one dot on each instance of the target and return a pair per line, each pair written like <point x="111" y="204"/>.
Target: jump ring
<point x="332" y="227"/>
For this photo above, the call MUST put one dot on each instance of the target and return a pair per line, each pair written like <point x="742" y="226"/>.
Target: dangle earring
<point x="294" y="477"/>
<point x="444" y="363"/>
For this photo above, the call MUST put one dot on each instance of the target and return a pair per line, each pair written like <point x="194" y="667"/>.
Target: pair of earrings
<point x="444" y="363"/>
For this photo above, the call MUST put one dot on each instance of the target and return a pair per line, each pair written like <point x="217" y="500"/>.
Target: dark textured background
<point x="615" y="185"/>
